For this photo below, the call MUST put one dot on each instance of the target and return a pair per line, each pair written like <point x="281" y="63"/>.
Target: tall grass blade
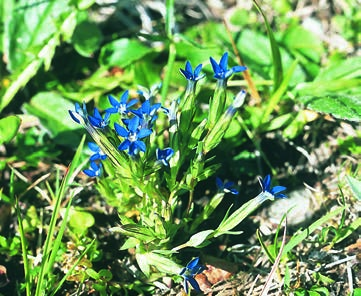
<point x="276" y="55"/>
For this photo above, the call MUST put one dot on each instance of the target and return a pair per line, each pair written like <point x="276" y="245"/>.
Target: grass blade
<point x="276" y="55"/>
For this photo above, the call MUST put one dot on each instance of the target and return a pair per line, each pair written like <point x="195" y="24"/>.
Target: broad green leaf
<point x="325" y="87"/>
<point x="299" y="39"/>
<point x="29" y="26"/>
<point x="143" y="264"/>
<point x="33" y="30"/>
<point x="87" y="38"/>
<point x="345" y="69"/>
<point x="258" y="58"/>
<point x="355" y="186"/>
<point x="92" y="273"/>
<point x="342" y="107"/>
<point x="52" y="110"/>
<point x="9" y="127"/>
<point x="122" y="52"/>
<point x="163" y="264"/>
<point x="80" y="221"/>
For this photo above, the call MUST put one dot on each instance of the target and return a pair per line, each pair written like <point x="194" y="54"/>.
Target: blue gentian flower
<point x="97" y="120"/>
<point x="133" y="136"/>
<point x="95" y="169"/>
<point x="147" y="114"/>
<point x="189" y="74"/>
<point x="164" y="155"/>
<point x="98" y="153"/>
<point x="274" y="191"/>
<point x="80" y="113"/>
<point x="221" y="71"/>
<point x="189" y="272"/>
<point x="226" y="187"/>
<point x="121" y="107"/>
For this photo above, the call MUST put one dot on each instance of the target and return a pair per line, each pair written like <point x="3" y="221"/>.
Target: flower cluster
<point x="134" y="127"/>
<point x="125" y="136"/>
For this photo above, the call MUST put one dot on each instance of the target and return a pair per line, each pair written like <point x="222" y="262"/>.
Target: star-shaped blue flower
<point x="221" y="71"/>
<point x="94" y="171"/>
<point x="98" y="153"/>
<point x="226" y="187"/>
<point x="133" y="136"/>
<point x="97" y="120"/>
<point x="189" y="74"/>
<point x="189" y="272"/>
<point x="164" y="155"/>
<point x="121" y="107"/>
<point x="274" y="191"/>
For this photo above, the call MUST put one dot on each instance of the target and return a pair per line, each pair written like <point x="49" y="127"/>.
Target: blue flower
<point x="164" y="155"/>
<point x="221" y="70"/>
<point x="98" y="153"/>
<point x="189" y="272"/>
<point x="95" y="169"/>
<point x="97" y="120"/>
<point x="226" y="187"/>
<point x="189" y="74"/>
<point x="121" y="107"/>
<point x="147" y="114"/>
<point x="274" y="191"/>
<point x="132" y="135"/>
<point x="80" y="113"/>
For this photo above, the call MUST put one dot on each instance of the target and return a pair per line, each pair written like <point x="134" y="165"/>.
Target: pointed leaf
<point x="355" y="186"/>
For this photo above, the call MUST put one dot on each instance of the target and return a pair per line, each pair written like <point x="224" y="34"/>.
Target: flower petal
<point x="223" y="63"/>
<point x="113" y="101"/>
<point x="144" y="132"/>
<point x="124" y="145"/>
<point x="121" y="131"/>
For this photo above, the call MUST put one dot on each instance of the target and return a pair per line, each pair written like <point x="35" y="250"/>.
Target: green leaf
<point x="345" y="69"/>
<point x="9" y="127"/>
<point x="163" y="264"/>
<point x="33" y="30"/>
<point x="140" y="232"/>
<point x="92" y="273"/>
<point x="52" y="110"/>
<point x="29" y="27"/>
<point x="105" y="274"/>
<point x="299" y="39"/>
<point x="355" y="186"/>
<point x="80" y="221"/>
<point x="87" y="38"/>
<point x="122" y="52"/>
<point x="342" y="107"/>
<point x="197" y="239"/>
